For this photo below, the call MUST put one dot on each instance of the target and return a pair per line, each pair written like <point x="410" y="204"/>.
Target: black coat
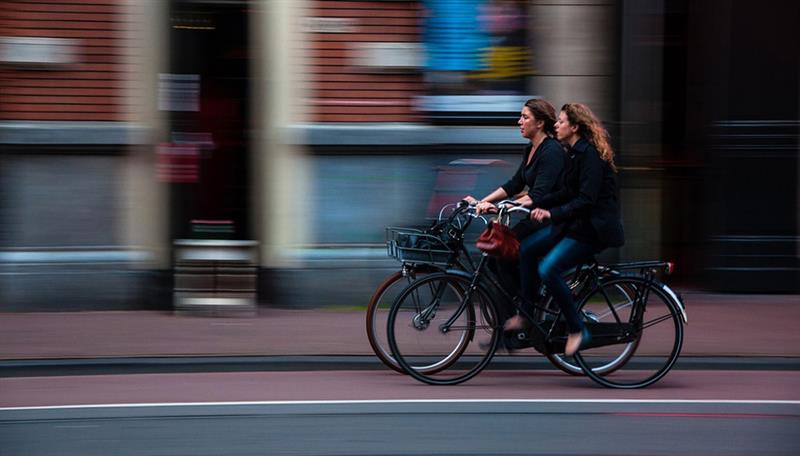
<point x="542" y="175"/>
<point x="587" y="206"/>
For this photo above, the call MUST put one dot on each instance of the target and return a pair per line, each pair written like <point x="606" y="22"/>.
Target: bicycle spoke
<point x="416" y="300"/>
<point x="656" y="321"/>
<point x="618" y="307"/>
<point x="610" y="305"/>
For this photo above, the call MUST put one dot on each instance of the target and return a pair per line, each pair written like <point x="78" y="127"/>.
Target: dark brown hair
<point x="544" y="111"/>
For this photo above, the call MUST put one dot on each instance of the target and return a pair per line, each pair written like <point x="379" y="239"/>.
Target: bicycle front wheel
<point x="378" y="313"/>
<point x="440" y="320"/>
<point x="650" y="318"/>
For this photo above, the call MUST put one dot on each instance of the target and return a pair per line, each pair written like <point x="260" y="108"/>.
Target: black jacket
<point x="587" y="206"/>
<point x="542" y="175"/>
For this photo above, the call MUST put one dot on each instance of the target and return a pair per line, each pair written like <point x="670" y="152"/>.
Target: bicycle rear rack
<point x="643" y="266"/>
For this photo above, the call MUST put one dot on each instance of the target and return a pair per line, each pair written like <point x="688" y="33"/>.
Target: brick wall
<point x="340" y="90"/>
<point x="90" y="86"/>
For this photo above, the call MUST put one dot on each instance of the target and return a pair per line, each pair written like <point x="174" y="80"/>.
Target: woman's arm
<point x="485" y="205"/>
<point x="517" y="182"/>
<point x="553" y="199"/>
<point x="512" y="187"/>
<point x="524" y="200"/>
<point x="590" y="178"/>
<point x="496" y="195"/>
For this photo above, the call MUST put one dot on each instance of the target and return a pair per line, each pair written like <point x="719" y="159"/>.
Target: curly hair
<point x="544" y="111"/>
<point x="590" y="127"/>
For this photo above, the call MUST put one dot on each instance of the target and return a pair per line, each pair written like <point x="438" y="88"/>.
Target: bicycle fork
<point x="422" y="318"/>
<point x="473" y="285"/>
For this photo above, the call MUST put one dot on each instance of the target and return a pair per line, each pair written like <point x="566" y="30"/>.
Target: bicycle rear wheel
<point x="651" y="319"/>
<point x="439" y="320"/>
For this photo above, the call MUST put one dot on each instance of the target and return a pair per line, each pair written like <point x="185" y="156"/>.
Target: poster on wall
<point x="476" y="60"/>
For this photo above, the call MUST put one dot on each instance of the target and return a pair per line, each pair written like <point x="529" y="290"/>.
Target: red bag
<point x="498" y="240"/>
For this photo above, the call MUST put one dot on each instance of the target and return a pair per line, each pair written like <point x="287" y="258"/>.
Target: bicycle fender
<point x="677" y="299"/>
<point x="667" y="290"/>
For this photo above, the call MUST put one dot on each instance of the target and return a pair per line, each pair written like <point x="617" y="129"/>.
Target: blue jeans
<point x="544" y="256"/>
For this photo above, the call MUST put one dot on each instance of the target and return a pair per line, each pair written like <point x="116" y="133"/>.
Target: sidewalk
<point x="719" y="326"/>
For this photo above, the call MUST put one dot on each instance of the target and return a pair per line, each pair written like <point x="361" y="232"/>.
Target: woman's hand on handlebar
<point x="540" y="214"/>
<point x="469" y="199"/>
<point x="481" y="207"/>
<point x="484" y="207"/>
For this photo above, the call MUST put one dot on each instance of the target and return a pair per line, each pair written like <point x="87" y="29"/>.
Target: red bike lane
<point x="678" y="385"/>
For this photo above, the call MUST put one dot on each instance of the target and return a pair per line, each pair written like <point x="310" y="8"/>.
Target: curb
<point x="191" y="364"/>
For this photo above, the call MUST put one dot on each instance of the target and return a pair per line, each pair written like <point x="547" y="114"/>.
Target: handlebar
<point x="461" y="217"/>
<point x="516" y="209"/>
<point x="467" y="209"/>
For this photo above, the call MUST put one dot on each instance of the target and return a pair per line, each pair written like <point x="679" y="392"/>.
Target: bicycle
<point x="453" y="306"/>
<point x="423" y="252"/>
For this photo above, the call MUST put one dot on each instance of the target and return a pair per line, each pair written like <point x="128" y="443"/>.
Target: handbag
<point x="498" y="240"/>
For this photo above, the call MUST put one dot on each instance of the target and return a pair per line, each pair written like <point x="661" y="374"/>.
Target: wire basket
<point x="410" y="245"/>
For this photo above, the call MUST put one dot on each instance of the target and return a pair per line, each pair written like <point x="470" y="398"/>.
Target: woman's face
<point x="528" y="125"/>
<point x="565" y="131"/>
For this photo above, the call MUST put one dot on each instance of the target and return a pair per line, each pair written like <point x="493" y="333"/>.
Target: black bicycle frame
<point x="552" y="337"/>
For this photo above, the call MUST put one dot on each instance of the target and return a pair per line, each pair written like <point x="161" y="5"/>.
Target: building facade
<point x="308" y="126"/>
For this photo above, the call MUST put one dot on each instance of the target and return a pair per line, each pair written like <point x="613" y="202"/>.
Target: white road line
<point x="76" y="426"/>
<point x="409" y="401"/>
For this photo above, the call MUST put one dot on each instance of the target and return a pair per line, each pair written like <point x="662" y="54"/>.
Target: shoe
<point x="577" y="340"/>
<point x="516" y="323"/>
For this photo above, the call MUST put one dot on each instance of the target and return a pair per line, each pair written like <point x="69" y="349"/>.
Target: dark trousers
<point x="544" y="256"/>
<point x="507" y="271"/>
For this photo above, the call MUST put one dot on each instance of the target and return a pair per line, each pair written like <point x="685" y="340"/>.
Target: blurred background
<point x="160" y="154"/>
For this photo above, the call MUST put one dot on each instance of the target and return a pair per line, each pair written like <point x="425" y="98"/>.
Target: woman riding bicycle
<point x="540" y="171"/>
<point x="584" y="216"/>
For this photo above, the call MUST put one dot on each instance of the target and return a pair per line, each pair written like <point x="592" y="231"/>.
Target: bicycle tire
<point x="658" y="346"/>
<point x="410" y="319"/>
<point x="382" y="298"/>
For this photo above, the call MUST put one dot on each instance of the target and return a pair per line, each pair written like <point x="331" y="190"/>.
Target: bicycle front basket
<point x="410" y="245"/>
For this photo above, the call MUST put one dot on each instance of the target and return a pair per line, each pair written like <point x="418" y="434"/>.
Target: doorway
<point x="206" y="95"/>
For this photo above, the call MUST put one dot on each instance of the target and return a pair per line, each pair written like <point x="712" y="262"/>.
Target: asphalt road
<point x="690" y="412"/>
<point x="415" y="427"/>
